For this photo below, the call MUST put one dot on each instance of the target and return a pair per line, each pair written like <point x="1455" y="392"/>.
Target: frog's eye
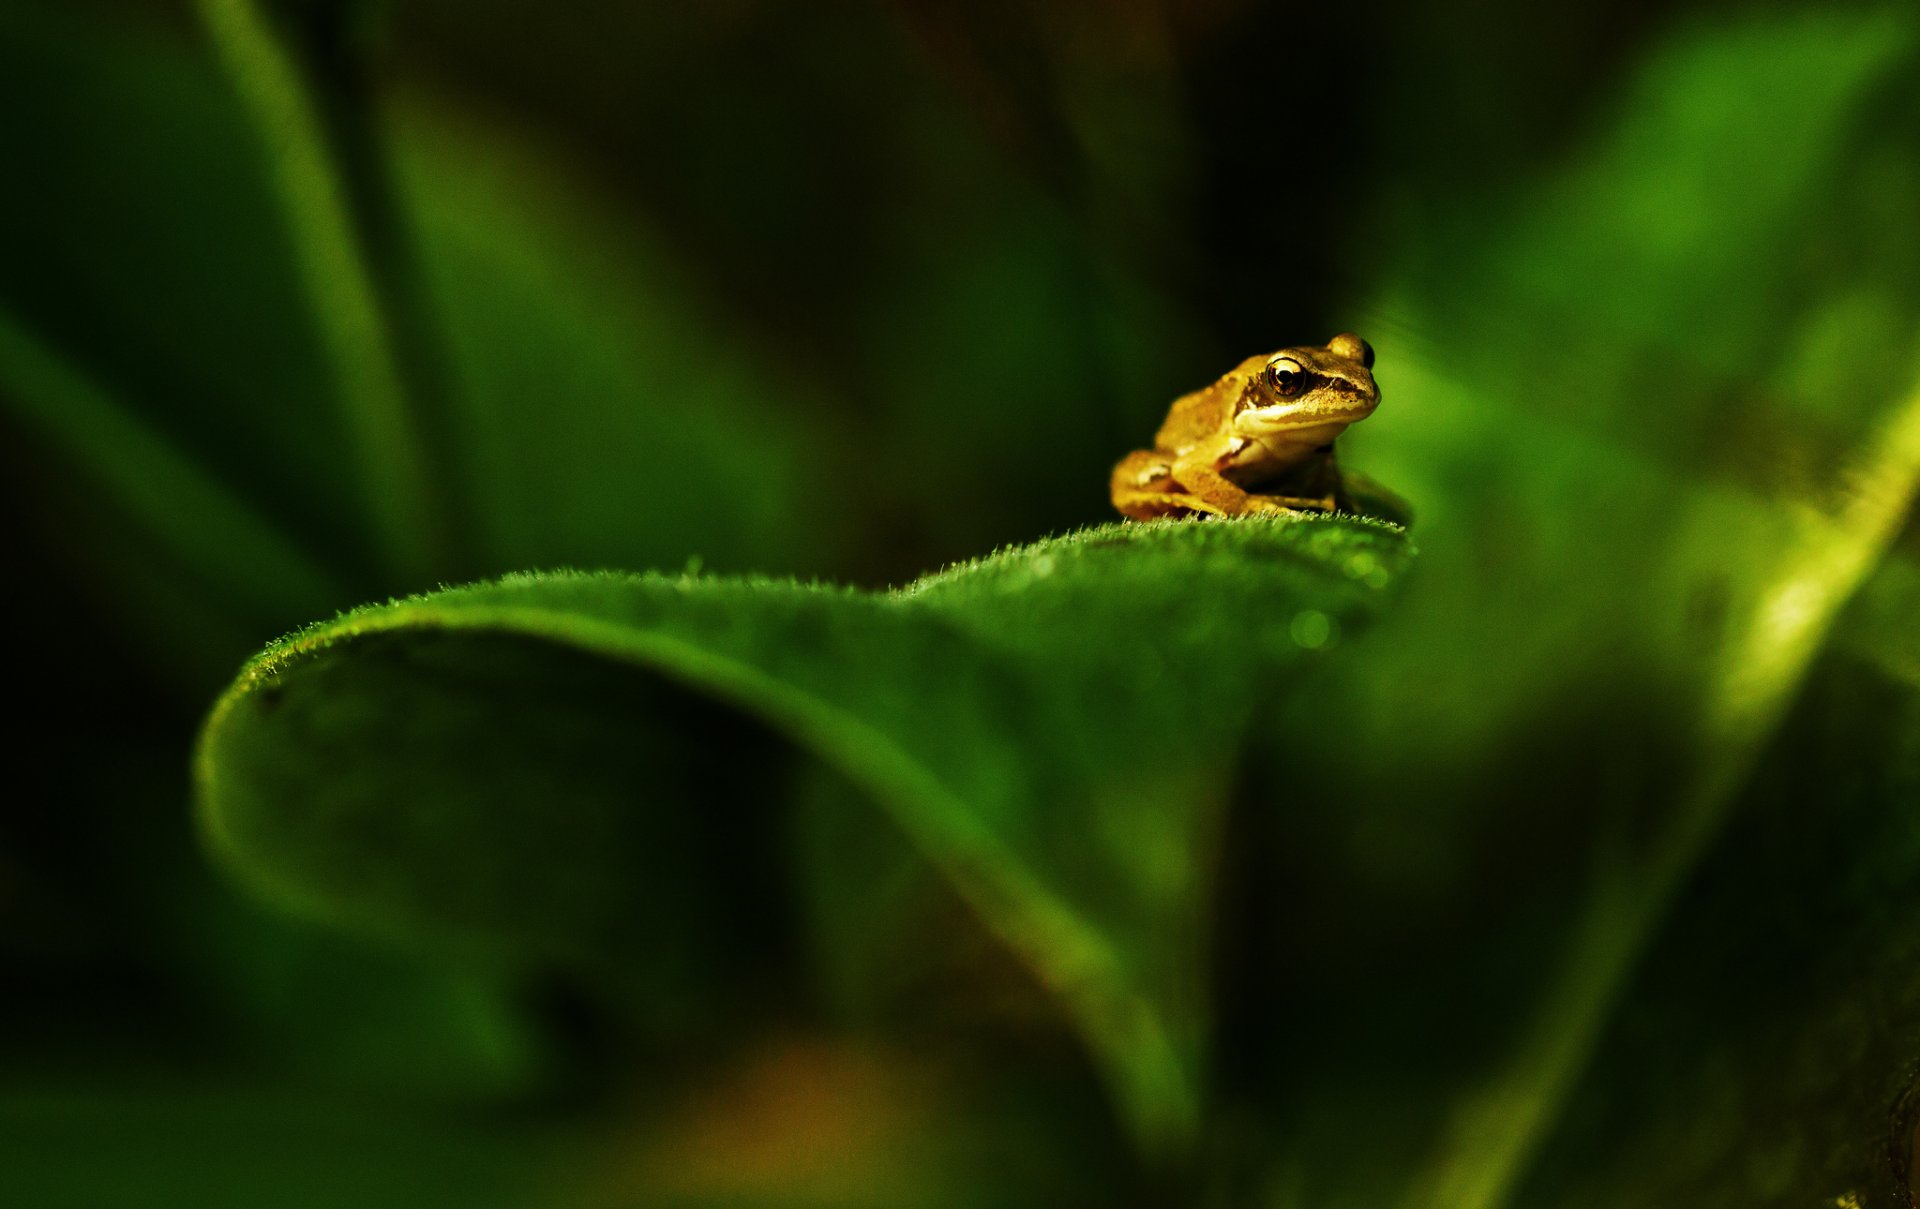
<point x="1366" y="354"/>
<point x="1286" y="378"/>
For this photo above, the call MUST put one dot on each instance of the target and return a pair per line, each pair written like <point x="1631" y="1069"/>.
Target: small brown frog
<point x="1260" y="440"/>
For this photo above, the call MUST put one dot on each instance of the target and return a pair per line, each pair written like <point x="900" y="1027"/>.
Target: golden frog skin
<point x="1260" y="440"/>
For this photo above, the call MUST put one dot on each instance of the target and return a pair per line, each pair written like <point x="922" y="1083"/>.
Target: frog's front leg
<point x="1312" y="485"/>
<point x="1144" y="487"/>
<point x="1207" y="472"/>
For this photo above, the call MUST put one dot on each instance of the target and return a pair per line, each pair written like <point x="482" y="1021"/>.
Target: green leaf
<point x="1760" y="1053"/>
<point x="1053" y="728"/>
<point x="150" y="250"/>
<point x="192" y="516"/>
<point x="151" y="342"/>
<point x="154" y="265"/>
<point x="377" y="411"/>
<point x="596" y="391"/>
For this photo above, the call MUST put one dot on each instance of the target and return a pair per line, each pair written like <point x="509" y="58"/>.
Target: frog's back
<point x="1203" y="413"/>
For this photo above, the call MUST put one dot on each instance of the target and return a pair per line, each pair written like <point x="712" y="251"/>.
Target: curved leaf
<point x="1047" y="726"/>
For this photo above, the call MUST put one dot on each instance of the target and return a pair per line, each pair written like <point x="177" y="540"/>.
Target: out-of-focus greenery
<point x="1085" y="856"/>
<point x="1573" y="862"/>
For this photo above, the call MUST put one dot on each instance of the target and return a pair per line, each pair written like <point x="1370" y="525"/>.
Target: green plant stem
<point x="1494" y="1137"/>
<point x="404" y="502"/>
<point x="202" y="525"/>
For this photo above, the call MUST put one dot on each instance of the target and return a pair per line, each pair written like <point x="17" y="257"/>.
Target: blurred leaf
<point x="470" y="760"/>
<point x="1008" y="354"/>
<point x="147" y="256"/>
<point x="593" y="396"/>
<point x="159" y="1143"/>
<point x="1758" y="1056"/>
<point x="603" y="416"/>
<point x="1647" y="493"/>
<point x="392" y="464"/>
<point x="1879" y="630"/>
<point x="787" y="1122"/>
<point x="195" y="519"/>
<point x="345" y="1017"/>
<point x="796" y="1121"/>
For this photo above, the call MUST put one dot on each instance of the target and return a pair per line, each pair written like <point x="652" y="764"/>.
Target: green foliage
<point x="1243" y="863"/>
<point x="217" y="1148"/>
<point x="453" y="760"/>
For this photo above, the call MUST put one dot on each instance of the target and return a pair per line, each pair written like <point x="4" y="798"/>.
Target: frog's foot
<point x="1272" y="505"/>
<point x="1176" y="504"/>
<point x="1361" y="496"/>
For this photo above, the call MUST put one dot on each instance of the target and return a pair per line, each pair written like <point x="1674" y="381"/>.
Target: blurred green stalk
<point x="1826" y="560"/>
<point x="406" y="505"/>
<point x="208" y="529"/>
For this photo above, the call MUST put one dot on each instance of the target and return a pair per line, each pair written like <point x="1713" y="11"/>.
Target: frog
<point x="1257" y="442"/>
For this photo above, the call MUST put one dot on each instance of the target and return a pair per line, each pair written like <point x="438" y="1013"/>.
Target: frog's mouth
<point x="1316" y="426"/>
<point x="1312" y="432"/>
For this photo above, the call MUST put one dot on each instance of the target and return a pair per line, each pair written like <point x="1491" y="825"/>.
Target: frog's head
<point x="1307" y="395"/>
